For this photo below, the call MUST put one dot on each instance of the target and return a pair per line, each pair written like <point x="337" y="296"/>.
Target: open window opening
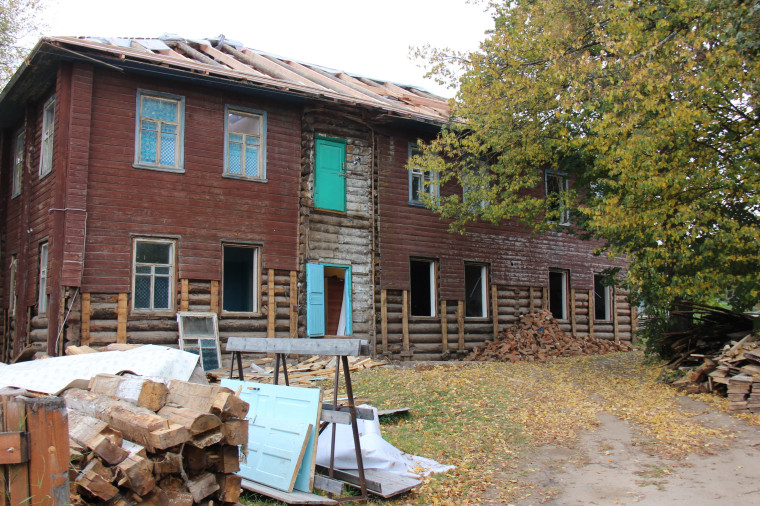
<point x="558" y="294"/>
<point x="328" y="309"/>
<point x="42" y="296"/>
<point x="422" y="287"/>
<point x="602" y="298"/>
<point x="476" y="293"/>
<point x="240" y="275"/>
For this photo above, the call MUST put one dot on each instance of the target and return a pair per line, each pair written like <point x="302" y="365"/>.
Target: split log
<point x="97" y="436"/>
<point x="235" y="431"/>
<point x="229" y="487"/>
<point x="137" y="474"/>
<point x="135" y="389"/>
<point x="196" y="422"/>
<point x="223" y="459"/>
<point x="202" y="486"/>
<point x="215" y="399"/>
<point x="94" y="483"/>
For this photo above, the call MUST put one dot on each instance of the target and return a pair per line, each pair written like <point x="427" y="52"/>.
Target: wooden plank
<point x="272" y="303"/>
<point x="573" y="328"/>
<point x="444" y="328"/>
<point x="460" y="324"/>
<point x="337" y="347"/>
<point x="295" y="497"/>
<point x="328" y="485"/>
<point x="495" y="310"/>
<point x="544" y="298"/>
<point x="293" y="304"/>
<point x="405" y="320"/>
<point x="634" y="315"/>
<point x="381" y="483"/>
<point x="14" y="419"/>
<point x="15" y="449"/>
<point x="531" y="298"/>
<point x="615" y="326"/>
<point x="384" y="319"/>
<point x="591" y="313"/>
<point x="184" y="298"/>
<point x="343" y="415"/>
<point x="85" y="320"/>
<point x="214" y="305"/>
<point x="121" y="319"/>
<point x="48" y="464"/>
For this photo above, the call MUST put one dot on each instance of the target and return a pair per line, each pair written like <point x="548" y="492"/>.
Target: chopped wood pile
<point x="154" y="441"/>
<point x="537" y="336"/>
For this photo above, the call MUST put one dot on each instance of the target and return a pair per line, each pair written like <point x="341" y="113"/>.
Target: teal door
<point x="315" y="300"/>
<point x="330" y="174"/>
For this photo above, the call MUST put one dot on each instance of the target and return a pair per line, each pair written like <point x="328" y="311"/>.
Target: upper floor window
<point x="18" y="163"/>
<point x="421" y="182"/>
<point x="153" y="283"/>
<point x="48" y="127"/>
<point x="556" y="194"/>
<point x="160" y="136"/>
<point x="42" y="297"/>
<point x="246" y="141"/>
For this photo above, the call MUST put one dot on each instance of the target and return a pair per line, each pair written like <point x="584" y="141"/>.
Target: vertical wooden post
<point x="47" y="424"/>
<point x="532" y="300"/>
<point x="384" y="319"/>
<point x="405" y="321"/>
<point x="214" y="305"/>
<point x="444" y="328"/>
<point x="85" y="320"/>
<point x="272" y="303"/>
<point x="544" y="298"/>
<point x="14" y="419"/>
<point x="184" y="297"/>
<point x="591" y="313"/>
<point x="615" y="329"/>
<point x="495" y="310"/>
<point x="293" y="304"/>
<point x="573" y="327"/>
<point x="121" y="319"/>
<point x="634" y="315"/>
<point x="59" y="331"/>
<point x="460" y="324"/>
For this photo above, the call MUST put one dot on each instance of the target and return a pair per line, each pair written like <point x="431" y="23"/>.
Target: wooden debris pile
<point x="537" y="336"/>
<point x="136" y="440"/>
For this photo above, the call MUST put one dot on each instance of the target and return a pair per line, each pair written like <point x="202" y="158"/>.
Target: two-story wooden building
<point x="142" y="177"/>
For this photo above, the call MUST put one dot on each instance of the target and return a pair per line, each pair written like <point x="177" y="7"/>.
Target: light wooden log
<point x="532" y="300"/>
<point x="572" y="313"/>
<point x="137" y="474"/>
<point x="95" y="484"/>
<point x="495" y="310"/>
<point x="214" y="306"/>
<point x="444" y="328"/>
<point x="214" y="399"/>
<point x="235" y="431"/>
<point x="229" y="487"/>
<point x="84" y="328"/>
<point x="135" y="389"/>
<point x="121" y="315"/>
<point x="293" y="304"/>
<point x="615" y="326"/>
<point x="202" y="486"/>
<point x="591" y="314"/>
<point x="206" y="439"/>
<point x="175" y="488"/>
<point x="460" y="324"/>
<point x="272" y="303"/>
<point x="168" y="463"/>
<point x="405" y="320"/>
<point x="384" y="319"/>
<point x="544" y="298"/>
<point x="634" y="315"/>
<point x="194" y="421"/>
<point x="183" y="297"/>
<point x="97" y="436"/>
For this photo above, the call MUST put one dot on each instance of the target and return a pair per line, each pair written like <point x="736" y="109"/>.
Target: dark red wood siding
<point x="516" y="256"/>
<point x="199" y="208"/>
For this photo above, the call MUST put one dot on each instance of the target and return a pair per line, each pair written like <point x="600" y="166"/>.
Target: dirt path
<point x="611" y="465"/>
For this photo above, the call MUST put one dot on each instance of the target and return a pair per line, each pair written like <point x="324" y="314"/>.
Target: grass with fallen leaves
<point x="481" y="416"/>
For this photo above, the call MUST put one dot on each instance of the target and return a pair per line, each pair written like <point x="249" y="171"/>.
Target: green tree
<point x="18" y="23"/>
<point x="650" y="108"/>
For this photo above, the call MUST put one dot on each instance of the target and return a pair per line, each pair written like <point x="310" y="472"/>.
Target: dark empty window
<point x="475" y="297"/>
<point x="601" y="299"/>
<point x="558" y="294"/>
<point x="239" y="279"/>
<point x="422" y="283"/>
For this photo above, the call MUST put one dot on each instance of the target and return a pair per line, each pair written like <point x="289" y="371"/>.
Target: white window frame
<point x="564" y="184"/>
<point x="262" y="115"/>
<point x="18" y="163"/>
<point x="256" y="277"/>
<point x="12" y="286"/>
<point x="607" y="298"/>
<point x="565" y="289"/>
<point x="483" y="289"/>
<point x="172" y="283"/>
<point x="179" y="143"/>
<point x="433" y="289"/>
<point x="428" y="180"/>
<point x="47" y="137"/>
<point x="42" y="297"/>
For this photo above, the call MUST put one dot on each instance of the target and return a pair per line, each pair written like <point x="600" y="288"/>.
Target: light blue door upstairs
<point x="330" y="174"/>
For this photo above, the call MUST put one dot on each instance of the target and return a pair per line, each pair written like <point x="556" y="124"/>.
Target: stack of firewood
<point x="137" y="440"/>
<point x="537" y="336"/>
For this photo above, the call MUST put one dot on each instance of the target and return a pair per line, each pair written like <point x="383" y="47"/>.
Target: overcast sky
<point x="370" y="38"/>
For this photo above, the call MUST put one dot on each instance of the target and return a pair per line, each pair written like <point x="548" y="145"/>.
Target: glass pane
<point x="252" y="161"/>
<point x="161" y="293"/>
<point x="148" y="142"/>
<point x="153" y="253"/>
<point x="142" y="269"/>
<point x="142" y="292"/>
<point x="197" y="326"/>
<point x="160" y="109"/>
<point x="168" y="149"/>
<point x="244" y="123"/>
<point x="162" y="271"/>
<point x="234" y="162"/>
<point x="416" y="184"/>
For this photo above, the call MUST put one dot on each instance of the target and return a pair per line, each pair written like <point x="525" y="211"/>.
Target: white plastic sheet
<point x="377" y="453"/>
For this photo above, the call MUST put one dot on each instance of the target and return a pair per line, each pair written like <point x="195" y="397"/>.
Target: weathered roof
<point x="228" y="59"/>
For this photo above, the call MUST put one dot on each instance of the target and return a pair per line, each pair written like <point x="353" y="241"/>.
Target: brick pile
<point x="537" y="336"/>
